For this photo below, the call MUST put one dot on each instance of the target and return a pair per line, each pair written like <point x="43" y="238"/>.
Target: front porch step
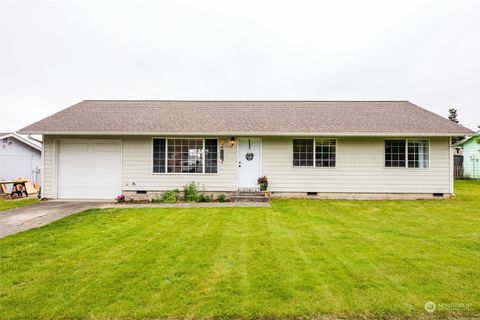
<point x="249" y="196"/>
<point x="250" y="193"/>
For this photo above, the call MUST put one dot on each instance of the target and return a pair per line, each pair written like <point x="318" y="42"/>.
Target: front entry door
<point x="249" y="162"/>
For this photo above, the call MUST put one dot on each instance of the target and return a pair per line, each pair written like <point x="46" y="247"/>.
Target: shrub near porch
<point x="297" y="258"/>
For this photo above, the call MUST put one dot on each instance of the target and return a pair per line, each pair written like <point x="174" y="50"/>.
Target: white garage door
<point x="89" y="169"/>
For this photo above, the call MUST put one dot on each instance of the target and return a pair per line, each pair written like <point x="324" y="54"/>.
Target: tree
<point x="452" y="115"/>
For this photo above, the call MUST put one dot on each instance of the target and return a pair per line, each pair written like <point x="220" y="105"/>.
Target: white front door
<point x="89" y="169"/>
<point x="249" y="162"/>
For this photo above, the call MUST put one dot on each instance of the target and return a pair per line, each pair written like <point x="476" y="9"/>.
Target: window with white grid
<point x="314" y="152"/>
<point x="159" y="155"/>
<point x="211" y="155"/>
<point x="325" y="152"/>
<point x="409" y="153"/>
<point x="418" y="153"/>
<point x="185" y="155"/>
<point x="303" y="152"/>
<point x="395" y="153"/>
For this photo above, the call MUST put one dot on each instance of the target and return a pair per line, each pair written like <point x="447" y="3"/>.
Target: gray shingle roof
<point x="246" y="117"/>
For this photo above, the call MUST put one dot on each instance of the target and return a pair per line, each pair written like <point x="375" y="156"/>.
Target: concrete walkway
<point x="33" y="216"/>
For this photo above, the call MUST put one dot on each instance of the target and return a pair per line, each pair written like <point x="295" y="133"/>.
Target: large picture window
<point x="406" y="153"/>
<point x="314" y="152"/>
<point x="185" y="155"/>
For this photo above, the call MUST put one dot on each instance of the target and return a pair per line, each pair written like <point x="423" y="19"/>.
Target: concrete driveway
<point x="33" y="216"/>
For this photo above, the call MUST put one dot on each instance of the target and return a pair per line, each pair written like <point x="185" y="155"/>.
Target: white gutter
<point x="34" y="139"/>
<point x="451" y="163"/>
<point x="247" y="133"/>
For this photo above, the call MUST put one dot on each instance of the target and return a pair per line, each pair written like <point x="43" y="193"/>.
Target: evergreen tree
<point x="452" y="115"/>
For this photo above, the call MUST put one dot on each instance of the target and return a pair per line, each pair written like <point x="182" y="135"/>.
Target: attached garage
<point x="89" y="169"/>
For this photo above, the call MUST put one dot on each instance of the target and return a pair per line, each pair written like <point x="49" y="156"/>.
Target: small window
<point x="303" y="152"/>
<point x="395" y="153"/>
<point x="211" y="155"/>
<point x="158" y="155"/>
<point x="325" y="152"/>
<point x="418" y="154"/>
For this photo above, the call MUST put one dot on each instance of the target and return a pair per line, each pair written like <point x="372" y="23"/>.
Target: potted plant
<point x="263" y="183"/>
<point x="120" y="198"/>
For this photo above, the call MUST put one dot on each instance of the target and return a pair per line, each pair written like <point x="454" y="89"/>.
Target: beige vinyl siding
<point x="48" y="168"/>
<point x="359" y="168"/>
<point x="137" y="168"/>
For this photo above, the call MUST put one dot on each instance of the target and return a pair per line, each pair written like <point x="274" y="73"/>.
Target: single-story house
<point x="471" y="156"/>
<point x="20" y="157"/>
<point x="340" y="149"/>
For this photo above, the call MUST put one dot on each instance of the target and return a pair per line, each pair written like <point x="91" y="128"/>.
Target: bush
<point x="170" y="196"/>
<point x="221" y="198"/>
<point x="191" y="192"/>
<point x="205" y="198"/>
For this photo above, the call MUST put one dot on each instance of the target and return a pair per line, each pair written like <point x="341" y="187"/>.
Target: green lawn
<point x="6" y="204"/>
<point x="297" y="258"/>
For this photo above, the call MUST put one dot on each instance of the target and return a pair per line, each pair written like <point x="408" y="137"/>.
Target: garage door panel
<point x="104" y="148"/>
<point x="89" y="170"/>
<point x="73" y="147"/>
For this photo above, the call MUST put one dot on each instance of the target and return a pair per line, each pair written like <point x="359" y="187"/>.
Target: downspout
<point x="452" y="191"/>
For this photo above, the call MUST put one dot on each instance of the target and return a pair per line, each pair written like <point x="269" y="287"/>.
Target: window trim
<point x="406" y="154"/>
<point x="184" y="173"/>
<point x="314" y="154"/>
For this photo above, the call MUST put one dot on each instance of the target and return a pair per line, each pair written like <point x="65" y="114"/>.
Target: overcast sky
<point x="54" y="54"/>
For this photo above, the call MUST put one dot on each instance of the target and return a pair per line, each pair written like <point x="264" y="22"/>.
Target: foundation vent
<point x="312" y="193"/>
<point x="141" y="191"/>
<point x="438" y="195"/>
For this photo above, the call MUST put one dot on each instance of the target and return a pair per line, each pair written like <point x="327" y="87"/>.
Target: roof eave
<point x="462" y="142"/>
<point x="249" y="133"/>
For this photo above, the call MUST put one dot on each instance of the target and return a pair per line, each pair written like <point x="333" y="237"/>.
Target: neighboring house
<point x="20" y="157"/>
<point x="341" y="149"/>
<point x="471" y="156"/>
